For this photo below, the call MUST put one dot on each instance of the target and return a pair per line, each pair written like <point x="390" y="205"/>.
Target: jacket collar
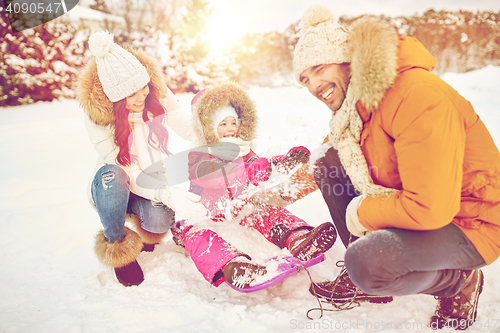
<point x="378" y="55"/>
<point x="373" y="46"/>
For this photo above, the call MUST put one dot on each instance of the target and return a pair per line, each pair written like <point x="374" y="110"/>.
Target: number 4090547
<point x="32" y="8"/>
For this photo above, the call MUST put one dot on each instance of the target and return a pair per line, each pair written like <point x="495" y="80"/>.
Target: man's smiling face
<point x="328" y="83"/>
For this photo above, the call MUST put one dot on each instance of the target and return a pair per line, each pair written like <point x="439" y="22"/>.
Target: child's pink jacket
<point x="218" y="182"/>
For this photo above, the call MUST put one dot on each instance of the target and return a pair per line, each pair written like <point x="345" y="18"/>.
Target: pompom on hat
<point x="323" y="41"/>
<point x="120" y="73"/>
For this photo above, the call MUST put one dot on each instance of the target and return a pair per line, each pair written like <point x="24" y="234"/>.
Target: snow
<point x="51" y="281"/>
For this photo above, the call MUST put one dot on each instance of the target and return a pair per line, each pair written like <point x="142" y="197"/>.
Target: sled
<point x="286" y="267"/>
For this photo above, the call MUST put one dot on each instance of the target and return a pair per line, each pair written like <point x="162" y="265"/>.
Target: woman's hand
<point x="183" y="203"/>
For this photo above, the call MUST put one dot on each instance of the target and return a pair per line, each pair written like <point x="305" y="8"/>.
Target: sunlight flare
<point x="224" y="29"/>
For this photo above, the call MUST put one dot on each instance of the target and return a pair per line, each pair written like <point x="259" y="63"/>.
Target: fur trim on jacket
<point x="231" y="94"/>
<point x="91" y="94"/>
<point x="373" y="44"/>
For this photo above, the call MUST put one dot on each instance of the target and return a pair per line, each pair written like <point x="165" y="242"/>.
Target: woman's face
<point x="136" y="101"/>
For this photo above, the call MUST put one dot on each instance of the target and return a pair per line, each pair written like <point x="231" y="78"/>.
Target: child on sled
<point x="222" y="171"/>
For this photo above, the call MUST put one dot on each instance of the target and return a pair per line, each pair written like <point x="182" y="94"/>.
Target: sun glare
<point x="223" y="30"/>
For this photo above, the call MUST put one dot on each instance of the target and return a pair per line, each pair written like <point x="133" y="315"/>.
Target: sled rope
<point x="349" y="304"/>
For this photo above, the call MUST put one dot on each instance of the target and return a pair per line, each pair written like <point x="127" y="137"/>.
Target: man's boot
<point x="343" y="292"/>
<point x="460" y="311"/>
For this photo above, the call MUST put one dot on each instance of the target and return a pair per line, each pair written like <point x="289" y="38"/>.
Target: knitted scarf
<point x="345" y="134"/>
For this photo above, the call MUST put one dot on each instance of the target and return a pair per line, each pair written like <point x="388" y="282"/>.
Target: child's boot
<point x="241" y="272"/>
<point x="306" y="245"/>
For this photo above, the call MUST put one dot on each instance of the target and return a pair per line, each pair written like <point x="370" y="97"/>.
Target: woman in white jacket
<point x="128" y="107"/>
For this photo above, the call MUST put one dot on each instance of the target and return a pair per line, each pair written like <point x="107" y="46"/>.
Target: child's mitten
<point x="258" y="171"/>
<point x="296" y="156"/>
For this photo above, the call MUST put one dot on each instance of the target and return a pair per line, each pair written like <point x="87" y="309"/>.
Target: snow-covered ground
<point x="51" y="281"/>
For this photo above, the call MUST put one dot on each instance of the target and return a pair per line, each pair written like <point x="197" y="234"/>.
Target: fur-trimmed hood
<point x="223" y="94"/>
<point x="91" y="94"/>
<point x="377" y="56"/>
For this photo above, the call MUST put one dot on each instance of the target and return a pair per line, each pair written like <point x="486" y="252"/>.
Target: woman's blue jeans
<point x="113" y="199"/>
<point x="394" y="262"/>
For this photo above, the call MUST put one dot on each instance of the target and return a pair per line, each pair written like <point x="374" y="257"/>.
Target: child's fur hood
<point x="94" y="100"/>
<point x="228" y="93"/>
<point x="373" y="44"/>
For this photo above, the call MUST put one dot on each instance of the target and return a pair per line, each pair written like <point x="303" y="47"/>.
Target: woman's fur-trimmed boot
<point x="149" y="239"/>
<point x="121" y="256"/>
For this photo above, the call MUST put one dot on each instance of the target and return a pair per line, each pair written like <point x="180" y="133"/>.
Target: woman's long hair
<point x="123" y="139"/>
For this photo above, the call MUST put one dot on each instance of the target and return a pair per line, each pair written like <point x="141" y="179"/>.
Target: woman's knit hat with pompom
<point x="120" y="73"/>
<point x="323" y="41"/>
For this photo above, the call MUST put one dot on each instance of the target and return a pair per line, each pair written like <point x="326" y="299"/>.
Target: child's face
<point x="227" y="128"/>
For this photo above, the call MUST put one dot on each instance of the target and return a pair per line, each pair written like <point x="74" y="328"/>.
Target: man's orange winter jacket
<point x="425" y="140"/>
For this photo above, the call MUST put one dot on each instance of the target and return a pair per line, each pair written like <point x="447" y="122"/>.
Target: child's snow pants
<point x="211" y="253"/>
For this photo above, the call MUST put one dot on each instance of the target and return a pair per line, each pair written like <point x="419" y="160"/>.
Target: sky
<point x="234" y="18"/>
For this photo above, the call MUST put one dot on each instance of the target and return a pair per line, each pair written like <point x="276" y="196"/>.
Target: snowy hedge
<point x="42" y="64"/>
<point x="39" y="64"/>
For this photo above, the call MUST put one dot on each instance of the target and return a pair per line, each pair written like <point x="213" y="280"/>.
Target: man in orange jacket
<point x="409" y="172"/>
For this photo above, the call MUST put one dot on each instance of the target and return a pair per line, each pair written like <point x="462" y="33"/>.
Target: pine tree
<point x="38" y="64"/>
